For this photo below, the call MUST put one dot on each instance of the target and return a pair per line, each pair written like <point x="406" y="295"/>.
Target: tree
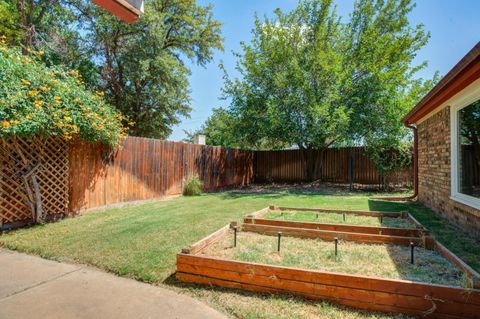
<point x="389" y="156"/>
<point x="311" y="80"/>
<point x="291" y="73"/>
<point x="51" y="27"/>
<point x="31" y="15"/>
<point x="140" y="66"/>
<point x="142" y="69"/>
<point x="9" y="22"/>
<point x="291" y="76"/>
<point x="381" y="86"/>
<point x="219" y="130"/>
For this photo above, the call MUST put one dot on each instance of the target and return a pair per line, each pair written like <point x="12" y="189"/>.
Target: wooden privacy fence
<point x="74" y="177"/>
<point x="334" y="165"/>
<point x="80" y="176"/>
<point x="147" y="168"/>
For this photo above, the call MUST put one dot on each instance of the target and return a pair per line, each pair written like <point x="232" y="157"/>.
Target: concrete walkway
<point x="32" y="287"/>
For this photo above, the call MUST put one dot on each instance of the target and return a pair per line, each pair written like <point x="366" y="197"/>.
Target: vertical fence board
<point x="331" y="165"/>
<point x="146" y="169"/>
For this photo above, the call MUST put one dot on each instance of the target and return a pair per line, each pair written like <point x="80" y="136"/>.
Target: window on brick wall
<point x="465" y="139"/>
<point x="469" y="150"/>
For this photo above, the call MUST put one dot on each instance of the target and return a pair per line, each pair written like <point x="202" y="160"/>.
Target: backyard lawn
<point x="141" y="242"/>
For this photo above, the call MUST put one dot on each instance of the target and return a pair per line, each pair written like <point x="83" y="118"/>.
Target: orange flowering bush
<point x="36" y="100"/>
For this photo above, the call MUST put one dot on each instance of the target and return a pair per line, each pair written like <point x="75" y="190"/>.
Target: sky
<point x="454" y="26"/>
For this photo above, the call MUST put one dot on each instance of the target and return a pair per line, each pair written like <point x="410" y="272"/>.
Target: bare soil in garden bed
<point x="332" y="218"/>
<point x="386" y="261"/>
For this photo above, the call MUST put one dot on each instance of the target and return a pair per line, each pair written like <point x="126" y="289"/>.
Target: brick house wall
<point x="434" y="173"/>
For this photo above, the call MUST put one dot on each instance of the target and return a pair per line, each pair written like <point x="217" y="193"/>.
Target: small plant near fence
<point x="390" y="157"/>
<point x="193" y="186"/>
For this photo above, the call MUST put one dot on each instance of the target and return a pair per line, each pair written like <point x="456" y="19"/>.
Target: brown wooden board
<point x="146" y="169"/>
<point x="329" y="165"/>
<point x="201" y="244"/>
<point x="331" y="235"/>
<point x="473" y="276"/>
<point x="392" y="231"/>
<point x="255" y="288"/>
<point x="414" y="221"/>
<point x="363" y="292"/>
<point x="343" y="211"/>
<point x="259" y="213"/>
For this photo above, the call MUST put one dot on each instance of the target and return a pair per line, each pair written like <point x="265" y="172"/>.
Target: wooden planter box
<point x="363" y="292"/>
<point x="365" y="234"/>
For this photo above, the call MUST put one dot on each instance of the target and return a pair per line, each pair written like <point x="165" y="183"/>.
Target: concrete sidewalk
<point x="32" y="287"/>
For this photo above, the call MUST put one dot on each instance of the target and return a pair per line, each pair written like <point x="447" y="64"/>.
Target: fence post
<point x="351" y="160"/>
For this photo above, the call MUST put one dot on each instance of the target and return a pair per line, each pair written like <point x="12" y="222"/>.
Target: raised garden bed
<point x="376" y="277"/>
<point x="359" y="222"/>
<point x="387" y="261"/>
<point x="339" y="218"/>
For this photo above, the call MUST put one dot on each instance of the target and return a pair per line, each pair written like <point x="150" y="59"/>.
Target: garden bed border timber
<point x="355" y="232"/>
<point x="363" y="292"/>
<point x="368" y="293"/>
<point x="331" y="235"/>
<point x="418" y="231"/>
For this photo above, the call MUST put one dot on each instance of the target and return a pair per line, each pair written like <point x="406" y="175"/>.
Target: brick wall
<point x="434" y="173"/>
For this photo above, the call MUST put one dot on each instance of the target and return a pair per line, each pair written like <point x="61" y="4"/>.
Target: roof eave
<point x="461" y="75"/>
<point x="122" y="9"/>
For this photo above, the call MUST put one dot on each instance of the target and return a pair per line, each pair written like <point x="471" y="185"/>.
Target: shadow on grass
<point x="265" y="302"/>
<point x="282" y="190"/>
<point x="460" y="242"/>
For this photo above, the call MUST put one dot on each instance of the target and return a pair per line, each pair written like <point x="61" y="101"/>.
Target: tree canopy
<point x="140" y="66"/>
<point x="309" y="79"/>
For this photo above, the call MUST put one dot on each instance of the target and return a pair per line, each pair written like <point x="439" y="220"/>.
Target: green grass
<point x="386" y="261"/>
<point x="141" y="242"/>
<point x="333" y="218"/>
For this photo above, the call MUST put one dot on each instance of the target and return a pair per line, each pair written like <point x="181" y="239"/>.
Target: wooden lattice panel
<point x="19" y="156"/>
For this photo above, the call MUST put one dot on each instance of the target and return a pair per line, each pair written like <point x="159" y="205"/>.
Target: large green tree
<point x="382" y="82"/>
<point x="309" y="79"/>
<point x="291" y="74"/>
<point x="382" y="85"/>
<point x="142" y="64"/>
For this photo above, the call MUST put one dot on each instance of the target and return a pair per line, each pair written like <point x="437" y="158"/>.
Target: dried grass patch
<point x="333" y="218"/>
<point x="386" y="261"/>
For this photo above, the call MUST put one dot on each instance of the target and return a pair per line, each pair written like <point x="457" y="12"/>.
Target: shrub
<point x="193" y="186"/>
<point x="36" y="100"/>
<point x="389" y="157"/>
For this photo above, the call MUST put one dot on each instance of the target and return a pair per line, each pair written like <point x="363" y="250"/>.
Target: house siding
<point x="434" y="173"/>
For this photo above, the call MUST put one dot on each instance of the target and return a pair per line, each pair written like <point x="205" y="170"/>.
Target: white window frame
<point x="458" y="102"/>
